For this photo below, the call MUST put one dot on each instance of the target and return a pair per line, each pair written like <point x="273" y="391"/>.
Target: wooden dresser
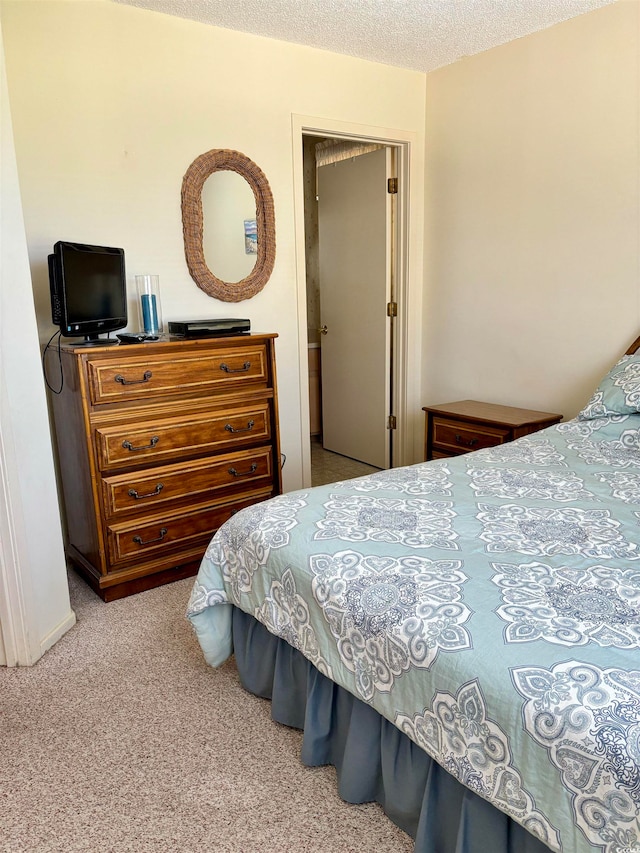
<point x="466" y="425"/>
<point x="158" y="445"/>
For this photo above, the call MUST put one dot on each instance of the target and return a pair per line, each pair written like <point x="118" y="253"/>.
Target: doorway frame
<point x="406" y="361"/>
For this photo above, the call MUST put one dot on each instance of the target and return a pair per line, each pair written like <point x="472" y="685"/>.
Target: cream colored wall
<point x="111" y="104"/>
<point x="533" y="215"/>
<point x="34" y="596"/>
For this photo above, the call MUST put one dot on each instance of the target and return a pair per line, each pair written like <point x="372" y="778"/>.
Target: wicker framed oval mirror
<point x="220" y="159"/>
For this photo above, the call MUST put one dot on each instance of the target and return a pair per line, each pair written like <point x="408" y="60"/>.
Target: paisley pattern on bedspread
<point x="588" y="720"/>
<point x="487" y="605"/>
<point x="412" y="523"/>
<point x="457" y="732"/>
<point x="569" y="606"/>
<point x="286" y="614"/>
<point x="389" y="615"/>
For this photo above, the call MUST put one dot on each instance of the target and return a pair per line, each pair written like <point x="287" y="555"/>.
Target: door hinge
<point x="392" y="186"/>
<point x="392" y="309"/>
<point x="391" y="422"/>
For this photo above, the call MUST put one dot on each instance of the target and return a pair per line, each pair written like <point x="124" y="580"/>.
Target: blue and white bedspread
<point x="487" y="605"/>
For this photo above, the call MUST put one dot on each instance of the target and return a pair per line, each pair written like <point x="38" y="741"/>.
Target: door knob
<point x="323" y="330"/>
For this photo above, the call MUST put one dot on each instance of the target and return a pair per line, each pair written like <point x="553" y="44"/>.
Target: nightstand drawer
<point x="452" y="436"/>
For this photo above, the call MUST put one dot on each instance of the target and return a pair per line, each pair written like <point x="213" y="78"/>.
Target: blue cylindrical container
<point x="150" y="308"/>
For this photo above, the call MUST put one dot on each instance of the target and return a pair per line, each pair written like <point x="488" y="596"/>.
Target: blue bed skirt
<point x="375" y="762"/>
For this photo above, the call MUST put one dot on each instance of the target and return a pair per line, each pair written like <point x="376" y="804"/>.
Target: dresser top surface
<point x="164" y="344"/>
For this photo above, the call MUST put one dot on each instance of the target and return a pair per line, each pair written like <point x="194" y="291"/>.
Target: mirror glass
<point x="229" y="221"/>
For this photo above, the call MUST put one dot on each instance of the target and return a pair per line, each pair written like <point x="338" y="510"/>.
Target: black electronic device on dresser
<point x="218" y="327"/>
<point x="88" y="290"/>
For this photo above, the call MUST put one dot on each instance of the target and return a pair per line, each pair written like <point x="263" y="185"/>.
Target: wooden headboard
<point x="635" y="346"/>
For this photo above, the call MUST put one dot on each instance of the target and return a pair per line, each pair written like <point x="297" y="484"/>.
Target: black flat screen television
<point x="88" y="291"/>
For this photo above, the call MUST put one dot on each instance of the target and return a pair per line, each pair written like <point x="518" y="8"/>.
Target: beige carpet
<point x="122" y="739"/>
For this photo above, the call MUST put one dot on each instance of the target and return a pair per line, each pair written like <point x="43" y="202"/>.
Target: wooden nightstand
<point x="455" y="428"/>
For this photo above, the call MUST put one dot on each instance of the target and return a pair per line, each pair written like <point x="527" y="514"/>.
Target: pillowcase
<point x="618" y="393"/>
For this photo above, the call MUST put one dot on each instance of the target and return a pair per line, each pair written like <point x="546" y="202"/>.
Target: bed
<point x="460" y="638"/>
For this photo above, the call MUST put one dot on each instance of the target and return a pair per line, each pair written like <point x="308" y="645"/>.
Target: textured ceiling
<point x="417" y="34"/>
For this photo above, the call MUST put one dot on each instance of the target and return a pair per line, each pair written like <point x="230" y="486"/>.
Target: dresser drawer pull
<point x="246" y="366"/>
<point x="248" y="427"/>
<point x="146" y="376"/>
<point x="132" y="492"/>
<point x="235" y="473"/>
<point x="128" y="446"/>
<point x="470" y="443"/>
<point x="139" y="541"/>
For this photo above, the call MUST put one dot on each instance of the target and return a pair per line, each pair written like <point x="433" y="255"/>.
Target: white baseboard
<point x="53" y="636"/>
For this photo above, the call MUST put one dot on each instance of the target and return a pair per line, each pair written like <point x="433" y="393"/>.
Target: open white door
<point x="354" y="224"/>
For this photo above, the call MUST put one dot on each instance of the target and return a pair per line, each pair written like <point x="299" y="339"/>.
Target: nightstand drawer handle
<point x="128" y="446"/>
<point x="139" y="541"/>
<point x="146" y="376"/>
<point x="235" y="473"/>
<point x="156" y="491"/>
<point x="248" y="427"/>
<point x="470" y="443"/>
<point x="242" y="369"/>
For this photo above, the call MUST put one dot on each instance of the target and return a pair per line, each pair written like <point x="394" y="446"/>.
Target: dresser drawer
<point x="199" y="433"/>
<point x="451" y="436"/>
<point x="140" y="377"/>
<point x="153" y="536"/>
<point x="194" y="481"/>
